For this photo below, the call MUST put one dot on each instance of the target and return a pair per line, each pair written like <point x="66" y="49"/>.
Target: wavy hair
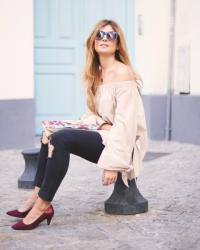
<point x="92" y="72"/>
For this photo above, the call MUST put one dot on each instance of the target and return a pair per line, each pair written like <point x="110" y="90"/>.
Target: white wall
<point x="16" y="49"/>
<point x="151" y="51"/>
<point x="152" y="47"/>
<point x="187" y="40"/>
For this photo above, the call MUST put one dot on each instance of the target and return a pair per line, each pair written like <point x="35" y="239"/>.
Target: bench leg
<point x="27" y="178"/>
<point x="126" y="200"/>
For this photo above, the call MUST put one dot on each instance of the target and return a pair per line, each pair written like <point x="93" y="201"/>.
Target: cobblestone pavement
<point x="171" y="184"/>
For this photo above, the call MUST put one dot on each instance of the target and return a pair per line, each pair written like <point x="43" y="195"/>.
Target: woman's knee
<point x="61" y="138"/>
<point x="55" y="143"/>
<point x="60" y="141"/>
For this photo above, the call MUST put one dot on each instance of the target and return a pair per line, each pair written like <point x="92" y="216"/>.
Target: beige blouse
<point x="120" y="104"/>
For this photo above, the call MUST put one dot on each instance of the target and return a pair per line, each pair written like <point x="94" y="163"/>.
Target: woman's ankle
<point x="28" y="203"/>
<point x="34" y="196"/>
<point x="41" y="205"/>
<point x="36" y="191"/>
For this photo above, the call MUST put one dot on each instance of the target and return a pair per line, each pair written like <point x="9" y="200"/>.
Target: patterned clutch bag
<point x="53" y="126"/>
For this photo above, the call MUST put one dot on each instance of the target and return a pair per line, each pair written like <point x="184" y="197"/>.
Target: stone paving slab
<point x="170" y="183"/>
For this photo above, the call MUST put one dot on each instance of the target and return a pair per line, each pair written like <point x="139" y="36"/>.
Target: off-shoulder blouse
<point x="120" y="104"/>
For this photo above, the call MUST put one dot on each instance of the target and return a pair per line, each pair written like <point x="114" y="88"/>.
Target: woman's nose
<point x="105" y="38"/>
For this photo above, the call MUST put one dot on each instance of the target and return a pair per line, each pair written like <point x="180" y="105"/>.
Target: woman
<point x="115" y="106"/>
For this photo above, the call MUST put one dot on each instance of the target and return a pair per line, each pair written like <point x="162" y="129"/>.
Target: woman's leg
<point x="39" y="175"/>
<point x="84" y="143"/>
<point x="30" y="201"/>
<point x="42" y="161"/>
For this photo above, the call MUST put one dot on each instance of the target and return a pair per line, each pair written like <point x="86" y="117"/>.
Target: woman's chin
<point x="105" y="52"/>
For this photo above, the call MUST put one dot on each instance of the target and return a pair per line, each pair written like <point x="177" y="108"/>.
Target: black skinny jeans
<point x="51" y="170"/>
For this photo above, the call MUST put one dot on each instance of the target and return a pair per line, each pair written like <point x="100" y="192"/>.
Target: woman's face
<point x="106" y="46"/>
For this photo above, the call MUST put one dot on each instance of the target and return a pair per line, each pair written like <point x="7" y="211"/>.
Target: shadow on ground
<point x="154" y="155"/>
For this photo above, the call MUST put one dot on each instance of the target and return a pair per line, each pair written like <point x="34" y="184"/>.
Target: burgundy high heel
<point x="17" y="214"/>
<point x="47" y="215"/>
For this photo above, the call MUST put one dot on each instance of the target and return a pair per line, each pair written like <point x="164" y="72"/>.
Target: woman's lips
<point x="103" y="45"/>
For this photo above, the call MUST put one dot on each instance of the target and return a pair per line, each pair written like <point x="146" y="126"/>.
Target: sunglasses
<point x="111" y="35"/>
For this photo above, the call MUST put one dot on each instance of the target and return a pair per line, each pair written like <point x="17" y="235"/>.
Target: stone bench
<point x="123" y="200"/>
<point x="27" y="178"/>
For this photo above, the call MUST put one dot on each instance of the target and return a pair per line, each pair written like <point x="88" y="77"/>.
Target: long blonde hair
<point x="92" y="73"/>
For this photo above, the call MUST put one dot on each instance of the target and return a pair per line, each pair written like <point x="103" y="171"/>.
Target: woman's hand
<point x="109" y="177"/>
<point x="105" y="126"/>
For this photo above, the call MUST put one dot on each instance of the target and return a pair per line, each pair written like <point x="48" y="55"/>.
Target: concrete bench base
<point x="124" y="200"/>
<point x="27" y="178"/>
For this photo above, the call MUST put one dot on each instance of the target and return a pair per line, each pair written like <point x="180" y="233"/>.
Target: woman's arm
<point x="116" y="155"/>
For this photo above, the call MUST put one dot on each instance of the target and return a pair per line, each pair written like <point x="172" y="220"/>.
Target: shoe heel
<point x="49" y="220"/>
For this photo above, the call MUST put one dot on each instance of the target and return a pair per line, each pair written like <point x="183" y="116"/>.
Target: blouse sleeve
<point x="118" y="151"/>
<point x="91" y="118"/>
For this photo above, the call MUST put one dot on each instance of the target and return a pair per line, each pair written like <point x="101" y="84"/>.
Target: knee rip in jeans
<point x="44" y="138"/>
<point x="50" y="150"/>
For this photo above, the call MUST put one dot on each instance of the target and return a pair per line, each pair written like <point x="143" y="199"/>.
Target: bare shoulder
<point x="123" y="72"/>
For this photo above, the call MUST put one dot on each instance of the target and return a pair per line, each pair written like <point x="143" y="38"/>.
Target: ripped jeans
<point x="54" y="160"/>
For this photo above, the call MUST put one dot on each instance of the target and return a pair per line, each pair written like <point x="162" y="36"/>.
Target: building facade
<point x="167" y="55"/>
<point x="42" y="57"/>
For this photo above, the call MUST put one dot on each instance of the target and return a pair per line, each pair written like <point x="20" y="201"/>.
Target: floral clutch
<point x="53" y="126"/>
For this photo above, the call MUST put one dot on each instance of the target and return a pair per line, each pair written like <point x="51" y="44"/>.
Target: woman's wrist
<point x="100" y="127"/>
<point x="105" y="126"/>
<point x="109" y="176"/>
